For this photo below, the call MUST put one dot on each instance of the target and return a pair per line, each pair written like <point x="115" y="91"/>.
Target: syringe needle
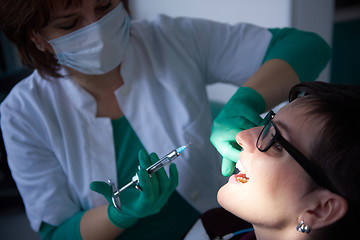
<point x="182" y="148"/>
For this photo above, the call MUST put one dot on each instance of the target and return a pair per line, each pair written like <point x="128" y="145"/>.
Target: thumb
<point x="102" y="188"/>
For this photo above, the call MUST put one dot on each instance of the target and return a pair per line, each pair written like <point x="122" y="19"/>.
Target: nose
<point x="247" y="139"/>
<point x="91" y="18"/>
<point x="92" y="15"/>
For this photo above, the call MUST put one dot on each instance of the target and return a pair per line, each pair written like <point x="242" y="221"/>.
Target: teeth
<point x="241" y="176"/>
<point x="242" y="179"/>
<point x="240" y="167"/>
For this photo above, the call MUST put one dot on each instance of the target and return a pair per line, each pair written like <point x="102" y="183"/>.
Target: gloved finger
<point x="228" y="151"/>
<point x="153" y="159"/>
<point x="221" y="134"/>
<point x="134" y="203"/>
<point x="174" y="177"/>
<point x="254" y="118"/>
<point x="162" y="177"/>
<point x="154" y="177"/>
<point x="173" y="182"/>
<point x="144" y="159"/>
<point x="102" y="188"/>
<point x="236" y="121"/>
<point x="241" y="122"/>
<point x="244" y="123"/>
<point x="164" y="196"/>
<point x="224" y="137"/>
<point x="149" y="191"/>
<point x="145" y="162"/>
<point x="227" y="167"/>
<point x="247" y="112"/>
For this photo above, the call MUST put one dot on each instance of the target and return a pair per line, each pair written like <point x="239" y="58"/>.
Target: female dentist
<point x="104" y="87"/>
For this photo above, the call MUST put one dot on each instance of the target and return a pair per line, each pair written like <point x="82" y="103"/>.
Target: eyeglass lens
<point x="266" y="137"/>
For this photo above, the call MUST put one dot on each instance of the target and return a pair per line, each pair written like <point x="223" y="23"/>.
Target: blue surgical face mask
<point x="97" y="48"/>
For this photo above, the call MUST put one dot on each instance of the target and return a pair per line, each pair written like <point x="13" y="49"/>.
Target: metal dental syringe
<point x="152" y="169"/>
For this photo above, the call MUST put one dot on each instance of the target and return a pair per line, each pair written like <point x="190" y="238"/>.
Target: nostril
<point x="236" y="145"/>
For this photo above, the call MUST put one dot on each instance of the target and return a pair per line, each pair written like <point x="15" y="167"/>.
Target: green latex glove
<point x="136" y="204"/>
<point x="241" y="112"/>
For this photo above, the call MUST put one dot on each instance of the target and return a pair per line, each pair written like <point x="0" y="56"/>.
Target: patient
<point x="298" y="174"/>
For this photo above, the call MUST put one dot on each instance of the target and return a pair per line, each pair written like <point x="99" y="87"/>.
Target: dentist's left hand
<point x="136" y="204"/>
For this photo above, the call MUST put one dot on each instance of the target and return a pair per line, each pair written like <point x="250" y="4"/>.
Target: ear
<point x="39" y="42"/>
<point x="327" y="208"/>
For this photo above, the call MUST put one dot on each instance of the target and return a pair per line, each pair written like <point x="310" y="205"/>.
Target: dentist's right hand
<point x="136" y="204"/>
<point x="241" y="112"/>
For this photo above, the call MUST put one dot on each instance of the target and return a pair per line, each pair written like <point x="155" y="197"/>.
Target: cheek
<point x="279" y="188"/>
<point x="49" y="48"/>
<point x="274" y="174"/>
<point x="272" y="185"/>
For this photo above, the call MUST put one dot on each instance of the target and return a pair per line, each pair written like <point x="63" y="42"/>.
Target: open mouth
<point x="241" y="178"/>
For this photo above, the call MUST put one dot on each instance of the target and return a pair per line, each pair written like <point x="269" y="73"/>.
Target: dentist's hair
<point x="20" y="19"/>
<point x="337" y="148"/>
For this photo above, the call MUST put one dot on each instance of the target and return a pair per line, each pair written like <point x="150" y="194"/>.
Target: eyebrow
<point x="285" y="128"/>
<point x="63" y="16"/>
<point x="66" y="6"/>
<point x="70" y="14"/>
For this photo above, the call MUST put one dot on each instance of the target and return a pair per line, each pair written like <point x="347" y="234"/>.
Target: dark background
<point x="345" y="68"/>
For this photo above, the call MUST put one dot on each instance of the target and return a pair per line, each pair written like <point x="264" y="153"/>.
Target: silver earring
<point x="40" y="47"/>
<point x="303" y="228"/>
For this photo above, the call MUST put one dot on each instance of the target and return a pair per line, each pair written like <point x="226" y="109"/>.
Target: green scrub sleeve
<point x="70" y="229"/>
<point x="306" y="52"/>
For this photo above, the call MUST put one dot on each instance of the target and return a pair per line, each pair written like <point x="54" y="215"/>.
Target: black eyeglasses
<point x="270" y="134"/>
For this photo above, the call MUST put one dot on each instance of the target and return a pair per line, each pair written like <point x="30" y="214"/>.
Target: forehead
<point x="302" y="128"/>
<point x="48" y="8"/>
<point x="64" y="4"/>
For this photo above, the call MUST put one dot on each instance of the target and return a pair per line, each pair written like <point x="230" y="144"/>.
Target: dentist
<point x="106" y="92"/>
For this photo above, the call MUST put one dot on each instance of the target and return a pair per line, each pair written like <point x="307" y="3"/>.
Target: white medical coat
<point x="57" y="146"/>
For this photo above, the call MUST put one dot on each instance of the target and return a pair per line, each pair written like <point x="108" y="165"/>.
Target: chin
<point x="228" y="199"/>
<point x="223" y="196"/>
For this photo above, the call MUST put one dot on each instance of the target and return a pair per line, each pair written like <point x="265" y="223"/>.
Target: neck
<point x="102" y="88"/>
<point x="98" y="85"/>
<point x="279" y="234"/>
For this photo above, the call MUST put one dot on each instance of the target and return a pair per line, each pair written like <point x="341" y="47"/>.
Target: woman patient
<point x="298" y="173"/>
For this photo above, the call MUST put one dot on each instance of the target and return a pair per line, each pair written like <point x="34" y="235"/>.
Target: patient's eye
<point x="277" y="147"/>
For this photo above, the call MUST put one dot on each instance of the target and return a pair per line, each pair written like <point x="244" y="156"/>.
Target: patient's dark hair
<point x="337" y="148"/>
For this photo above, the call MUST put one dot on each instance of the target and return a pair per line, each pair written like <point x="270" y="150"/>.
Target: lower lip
<point x="232" y="179"/>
